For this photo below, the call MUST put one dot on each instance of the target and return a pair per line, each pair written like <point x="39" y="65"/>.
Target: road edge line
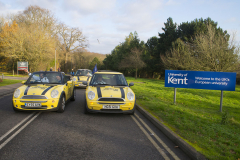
<point x="187" y="148"/>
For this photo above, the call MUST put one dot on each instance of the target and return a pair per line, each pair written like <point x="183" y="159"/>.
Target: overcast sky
<point x="110" y="21"/>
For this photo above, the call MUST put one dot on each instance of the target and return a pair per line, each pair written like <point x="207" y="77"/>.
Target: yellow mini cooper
<point x="44" y="91"/>
<point x="109" y="92"/>
<point x="80" y="76"/>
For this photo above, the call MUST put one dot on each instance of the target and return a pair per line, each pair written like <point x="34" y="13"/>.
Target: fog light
<point x="16" y="106"/>
<point x="53" y="101"/>
<point x="130" y="103"/>
<point x="91" y="103"/>
<point x="52" y="106"/>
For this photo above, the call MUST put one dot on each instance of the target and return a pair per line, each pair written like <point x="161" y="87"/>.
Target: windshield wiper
<point x="100" y="84"/>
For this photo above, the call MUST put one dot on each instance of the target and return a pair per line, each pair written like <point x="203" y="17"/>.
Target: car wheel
<point x="61" y="104"/>
<point x="15" y="110"/>
<point x="132" y="113"/>
<point x="85" y="108"/>
<point x="74" y="95"/>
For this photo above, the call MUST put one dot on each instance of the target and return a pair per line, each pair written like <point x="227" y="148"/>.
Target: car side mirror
<point x="69" y="82"/>
<point x="131" y="84"/>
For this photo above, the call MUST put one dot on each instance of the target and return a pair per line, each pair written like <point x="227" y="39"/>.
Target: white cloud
<point x="88" y="7"/>
<point x="47" y="4"/>
<point x="111" y="21"/>
<point x="6" y="9"/>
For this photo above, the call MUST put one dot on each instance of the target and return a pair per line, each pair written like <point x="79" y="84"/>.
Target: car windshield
<point x="45" y="78"/>
<point x="83" y="73"/>
<point x="109" y="79"/>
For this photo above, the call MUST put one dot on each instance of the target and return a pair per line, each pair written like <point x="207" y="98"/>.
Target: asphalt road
<point x="74" y="135"/>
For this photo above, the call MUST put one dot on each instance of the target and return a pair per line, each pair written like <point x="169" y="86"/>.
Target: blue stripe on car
<point x="122" y="92"/>
<point x="26" y="90"/>
<point x="99" y="92"/>
<point x="45" y="91"/>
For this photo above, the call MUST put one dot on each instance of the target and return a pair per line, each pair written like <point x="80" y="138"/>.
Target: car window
<point x="45" y="77"/>
<point x="83" y="73"/>
<point x="66" y="78"/>
<point x="108" y="79"/>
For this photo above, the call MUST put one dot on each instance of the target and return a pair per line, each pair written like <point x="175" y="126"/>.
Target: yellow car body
<point x="81" y="76"/>
<point x="111" y="97"/>
<point x="37" y="95"/>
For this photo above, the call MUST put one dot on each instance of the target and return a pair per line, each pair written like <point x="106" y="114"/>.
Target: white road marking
<point x="6" y="134"/>
<point x="150" y="138"/>
<point x="159" y="140"/>
<point x="18" y="131"/>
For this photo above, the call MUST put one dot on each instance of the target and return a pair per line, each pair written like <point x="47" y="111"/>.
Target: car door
<point x="68" y="86"/>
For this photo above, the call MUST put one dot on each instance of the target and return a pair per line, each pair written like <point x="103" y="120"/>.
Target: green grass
<point x="11" y="74"/>
<point x="9" y="81"/>
<point x="196" y="117"/>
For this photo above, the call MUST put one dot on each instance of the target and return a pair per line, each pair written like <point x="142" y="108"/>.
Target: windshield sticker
<point x="110" y="89"/>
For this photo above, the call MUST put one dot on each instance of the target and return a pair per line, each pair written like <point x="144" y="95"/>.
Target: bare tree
<point x="133" y="61"/>
<point x="71" y="39"/>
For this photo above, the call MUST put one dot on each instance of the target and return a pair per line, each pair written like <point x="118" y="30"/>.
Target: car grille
<point x="111" y="99"/>
<point x="34" y="97"/>
<point x="42" y="107"/>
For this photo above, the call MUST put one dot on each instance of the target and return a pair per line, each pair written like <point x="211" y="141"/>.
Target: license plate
<point x="111" y="107"/>
<point x="33" y="104"/>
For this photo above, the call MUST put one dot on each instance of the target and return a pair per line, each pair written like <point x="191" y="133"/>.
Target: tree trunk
<point x="65" y="67"/>
<point x="136" y="74"/>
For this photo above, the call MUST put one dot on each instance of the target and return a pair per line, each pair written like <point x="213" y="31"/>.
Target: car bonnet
<point x="37" y="90"/>
<point x="109" y="91"/>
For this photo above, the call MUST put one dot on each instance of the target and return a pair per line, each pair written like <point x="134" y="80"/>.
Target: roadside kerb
<point x="188" y="149"/>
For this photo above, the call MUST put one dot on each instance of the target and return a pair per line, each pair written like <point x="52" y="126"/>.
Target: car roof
<point x="112" y="72"/>
<point x="47" y="72"/>
<point x="85" y="69"/>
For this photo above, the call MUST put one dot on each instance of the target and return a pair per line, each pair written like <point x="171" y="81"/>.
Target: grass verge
<point x="196" y="116"/>
<point x="9" y="81"/>
<point x="15" y="75"/>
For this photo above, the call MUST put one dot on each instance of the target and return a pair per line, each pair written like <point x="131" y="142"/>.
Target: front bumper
<point x="48" y="104"/>
<point x="95" y="107"/>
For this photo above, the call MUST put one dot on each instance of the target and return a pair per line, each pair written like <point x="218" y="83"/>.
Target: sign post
<point x="175" y="95"/>
<point x="201" y="80"/>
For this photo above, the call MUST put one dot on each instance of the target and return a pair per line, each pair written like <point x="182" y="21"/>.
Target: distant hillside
<point x="92" y="55"/>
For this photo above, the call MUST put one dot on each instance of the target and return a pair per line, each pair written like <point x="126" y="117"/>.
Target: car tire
<point x="61" y="104"/>
<point x="15" y="110"/>
<point x="74" y="95"/>
<point x="132" y="113"/>
<point x="85" y="111"/>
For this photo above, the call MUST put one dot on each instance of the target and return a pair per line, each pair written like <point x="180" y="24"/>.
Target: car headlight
<point x="74" y="79"/>
<point x="54" y="93"/>
<point x="130" y="96"/>
<point x="16" y="93"/>
<point x="91" y="95"/>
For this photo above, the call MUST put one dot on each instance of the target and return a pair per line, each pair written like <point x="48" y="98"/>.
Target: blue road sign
<point x="200" y="80"/>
